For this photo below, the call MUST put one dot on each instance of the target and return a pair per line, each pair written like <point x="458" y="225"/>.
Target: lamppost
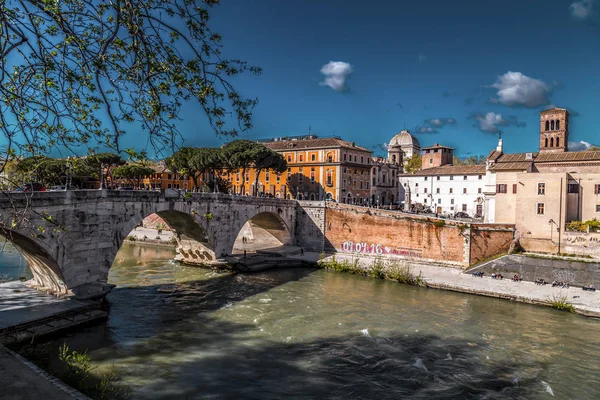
<point x="69" y="172"/>
<point x="101" y="176"/>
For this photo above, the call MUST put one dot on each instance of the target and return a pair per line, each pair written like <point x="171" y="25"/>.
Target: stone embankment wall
<point x="391" y="234"/>
<point x="576" y="273"/>
<point x="488" y="240"/>
<point x="581" y="243"/>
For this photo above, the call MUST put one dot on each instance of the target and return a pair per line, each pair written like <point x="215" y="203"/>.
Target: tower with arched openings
<point x="554" y="130"/>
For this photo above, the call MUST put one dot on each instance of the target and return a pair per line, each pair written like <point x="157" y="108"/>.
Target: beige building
<point x="541" y="192"/>
<point x="384" y="181"/>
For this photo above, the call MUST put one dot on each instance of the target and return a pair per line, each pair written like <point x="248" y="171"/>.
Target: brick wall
<point x="488" y="240"/>
<point x="376" y="232"/>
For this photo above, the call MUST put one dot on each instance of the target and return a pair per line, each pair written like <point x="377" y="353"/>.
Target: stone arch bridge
<point x="70" y="238"/>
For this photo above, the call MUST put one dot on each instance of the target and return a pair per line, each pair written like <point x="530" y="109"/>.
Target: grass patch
<point x="560" y="303"/>
<point x="379" y="269"/>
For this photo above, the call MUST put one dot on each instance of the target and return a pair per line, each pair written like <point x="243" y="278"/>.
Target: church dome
<point x="404" y="139"/>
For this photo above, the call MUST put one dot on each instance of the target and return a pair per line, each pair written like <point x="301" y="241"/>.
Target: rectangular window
<point x="464" y="208"/>
<point x="300" y="177"/>
<point x="277" y="177"/>
<point x="597" y="207"/>
<point x="501" y="188"/>
<point x="439" y="201"/>
<point x="431" y="161"/>
<point x="451" y="201"/>
<point x="437" y="178"/>
<point x="451" y="190"/>
<point x="541" y="188"/>
<point x="312" y="177"/>
<point x="237" y="177"/>
<point x="514" y="188"/>
<point x="417" y="184"/>
<point x="301" y="157"/>
<point x="169" y="176"/>
<point x="313" y="157"/>
<point x="464" y="190"/>
<point x="362" y="160"/>
<point x="596" y="189"/>
<point x="425" y="178"/>
<point x="344" y="184"/>
<point x="478" y="190"/>
<point x="437" y="190"/>
<point x="572" y="188"/>
<point x="464" y="178"/>
<point x="329" y="178"/>
<point x="289" y="176"/>
<point x="289" y="158"/>
<point x="425" y="190"/>
<point x="540" y="208"/>
<point x="267" y="176"/>
<point x="247" y="176"/>
<point x="451" y="178"/>
<point x="479" y="177"/>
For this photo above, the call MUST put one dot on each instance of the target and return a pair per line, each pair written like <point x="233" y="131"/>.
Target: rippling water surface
<point x="178" y="332"/>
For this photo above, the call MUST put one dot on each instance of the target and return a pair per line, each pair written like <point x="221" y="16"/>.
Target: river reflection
<point x="177" y="332"/>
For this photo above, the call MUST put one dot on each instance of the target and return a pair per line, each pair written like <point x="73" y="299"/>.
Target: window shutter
<point x="596" y="189"/>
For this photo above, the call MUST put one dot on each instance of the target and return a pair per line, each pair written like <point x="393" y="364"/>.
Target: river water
<point x="177" y="332"/>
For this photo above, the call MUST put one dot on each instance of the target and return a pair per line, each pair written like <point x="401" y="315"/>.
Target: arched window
<point x="552" y="125"/>
<point x="299" y="197"/>
<point x="288" y="196"/>
<point x="557" y="142"/>
<point x="547" y="125"/>
<point x="557" y="125"/>
<point x="546" y="145"/>
<point x="312" y="196"/>
<point x="552" y="142"/>
<point x="394" y="158"/>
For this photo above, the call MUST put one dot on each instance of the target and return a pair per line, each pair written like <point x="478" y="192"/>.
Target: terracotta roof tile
<point x="451" y="170"/>
<point x="569" y="156"/>
<point x="313" y="144"/>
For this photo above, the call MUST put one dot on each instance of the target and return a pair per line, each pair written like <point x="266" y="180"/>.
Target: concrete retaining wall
<point x="575" y="273"/>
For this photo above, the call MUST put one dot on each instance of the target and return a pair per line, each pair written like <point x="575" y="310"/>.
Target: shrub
<point x="560" y="303"/>
<point x="131" y="238"/>
<point x="399" y="272"/>
<point x="576" y="226"/>
<point x="78" y="365"/>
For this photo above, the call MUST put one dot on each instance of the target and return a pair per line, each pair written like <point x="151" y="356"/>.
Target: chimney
<point x="499" y="147"/>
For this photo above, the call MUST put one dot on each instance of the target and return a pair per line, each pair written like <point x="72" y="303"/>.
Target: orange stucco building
<point x="318" y="169"/>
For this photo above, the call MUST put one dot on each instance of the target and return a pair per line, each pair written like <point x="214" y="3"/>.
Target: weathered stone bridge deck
<point x="70" y="238"/>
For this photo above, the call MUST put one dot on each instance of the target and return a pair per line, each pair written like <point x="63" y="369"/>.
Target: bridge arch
<point x="46" y="272"/>
<point x="264" y="230"/>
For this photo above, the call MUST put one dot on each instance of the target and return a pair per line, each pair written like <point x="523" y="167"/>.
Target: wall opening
<point x="264" y="231"/>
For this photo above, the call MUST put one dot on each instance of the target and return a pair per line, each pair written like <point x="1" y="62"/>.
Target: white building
<point x="446" y="190"/>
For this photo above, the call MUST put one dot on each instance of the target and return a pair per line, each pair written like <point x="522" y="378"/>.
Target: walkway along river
<point x="177" y="332"/>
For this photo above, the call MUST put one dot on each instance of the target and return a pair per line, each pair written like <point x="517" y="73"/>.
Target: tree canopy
<point x="413" y="164"/>
<point x="471" y="160"/>
<point x="134" y="173"/>
<point x="78" y="73"/>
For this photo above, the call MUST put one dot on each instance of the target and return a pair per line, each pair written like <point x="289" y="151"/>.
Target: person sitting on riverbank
<point x="540" y="281"/>
<point x="589" y="288"/>
<point x="478" y="274"/>
<point x="517" y="278"/>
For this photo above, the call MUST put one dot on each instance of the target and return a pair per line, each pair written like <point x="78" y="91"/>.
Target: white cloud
<point x="581" y="145"/>
<point x="514" y="88"/>
<point x="581" y="9"/>
<point x="426" y="129"/>
<point x="440" y="121"/>
<point x="491" y="121"/>
<point x="336" y="73"/>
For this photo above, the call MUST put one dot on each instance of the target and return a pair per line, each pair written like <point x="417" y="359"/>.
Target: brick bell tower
<point x="554" y="130"/>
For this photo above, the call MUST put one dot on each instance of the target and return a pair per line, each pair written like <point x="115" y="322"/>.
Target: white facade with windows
<point x="445" y="190"/>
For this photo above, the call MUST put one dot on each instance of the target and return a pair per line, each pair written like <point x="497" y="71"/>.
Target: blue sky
<point x="452" y="72"/>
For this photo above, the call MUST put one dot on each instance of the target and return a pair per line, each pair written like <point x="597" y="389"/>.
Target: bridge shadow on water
<point x="220" y="363"/>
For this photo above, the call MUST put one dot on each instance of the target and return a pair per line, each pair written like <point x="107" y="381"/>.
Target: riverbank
<point x="454" y="279"/>
<point x="21" y="379"/>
